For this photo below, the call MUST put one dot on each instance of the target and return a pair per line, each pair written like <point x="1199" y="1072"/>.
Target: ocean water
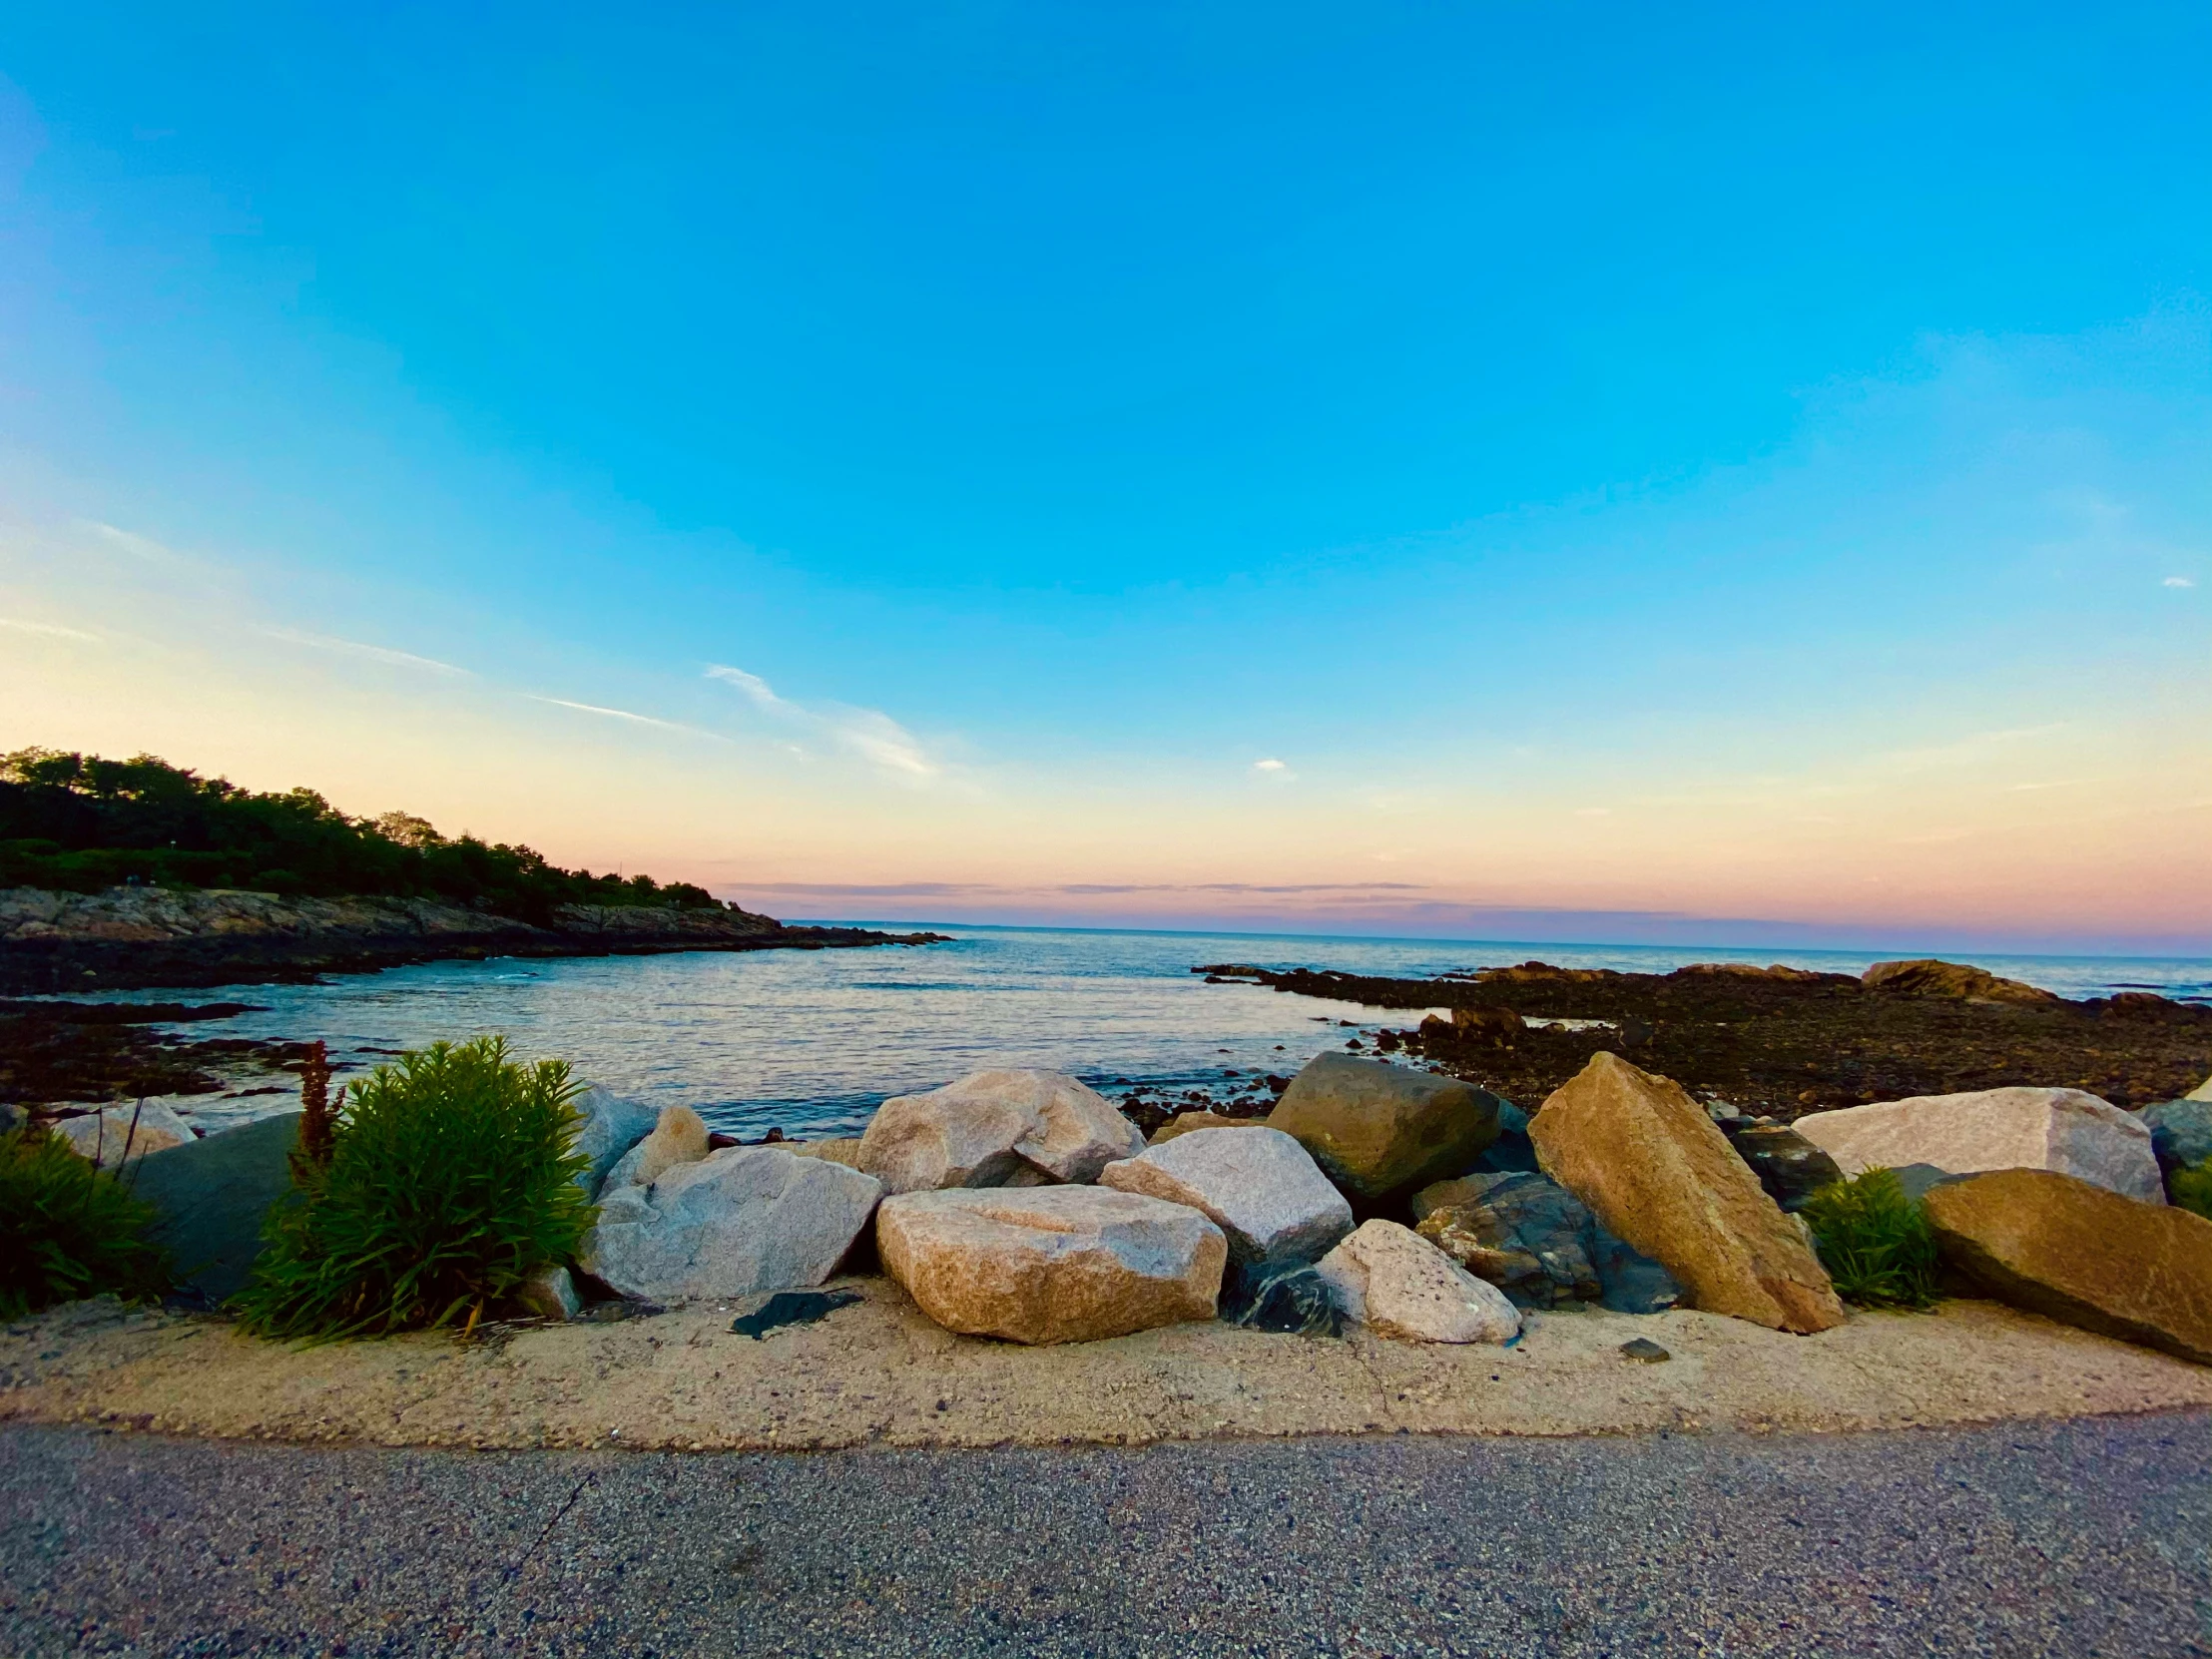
<point x="812" y="1041"/>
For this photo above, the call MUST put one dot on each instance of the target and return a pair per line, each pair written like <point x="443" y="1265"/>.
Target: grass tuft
<point x="69" y="1229"/>
<point x="1874" y="1241"/>
<point x="450" y="1179"/>
<point x="2191" y="1188"/>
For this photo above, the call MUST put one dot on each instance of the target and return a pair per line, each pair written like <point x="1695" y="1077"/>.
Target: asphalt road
<point x="2088" y="1538"/>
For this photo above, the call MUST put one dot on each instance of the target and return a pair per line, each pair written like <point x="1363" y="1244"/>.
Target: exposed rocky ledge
<point x="131" y="937"/>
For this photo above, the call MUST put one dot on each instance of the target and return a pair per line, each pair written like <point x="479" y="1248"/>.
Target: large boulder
<point x="611" y="1127"/>
<point x="210" y="1197"/>
<point x="1929" y="977"/>
<point x="1060" y="1264"/>
<point x="2076" y="1252"/>
<point x="680" y="1137"/>
<point x="1389" y="1279"/>
<point x="1540" y="1243"/>
<point x="106" y="1136"/>
<point x="1376" y="1129"/>
<point x="2180" y="1132"/>
<point x="2020" y="1128"/>
<point x="1652" y="1166"/>
<point x="996" y="1129"/>
<point x="741" y="1220"/>
<point x="1259" y="1186"/>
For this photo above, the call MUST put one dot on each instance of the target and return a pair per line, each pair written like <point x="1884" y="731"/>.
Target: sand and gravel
<point x="880" y="1373"/>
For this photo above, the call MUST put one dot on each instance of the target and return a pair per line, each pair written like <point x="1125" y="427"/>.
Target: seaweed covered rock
<point x="1259" y="1186"/>
<point x="1002" y="1128"/>
<point x="2064" y="1130"/>
<point x="741" y="1220"/>
<point x="1540" y="1243"/>
<point x="2076" y="1252"/>
<point x="1060" y="1264"/>
<point x="1397" y="1283"/>
<point x="1651" y="1165"/>
<point x="1376" y="1129"/>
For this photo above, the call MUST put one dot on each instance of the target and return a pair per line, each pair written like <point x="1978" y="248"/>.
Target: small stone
<point x="550" y="1295"/>
<point x="1644" y="1351"/>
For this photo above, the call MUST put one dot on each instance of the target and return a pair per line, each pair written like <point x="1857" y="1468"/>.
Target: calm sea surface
<point x="812" y="1041"/>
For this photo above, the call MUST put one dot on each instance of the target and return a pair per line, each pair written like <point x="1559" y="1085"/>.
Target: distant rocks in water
<point x="1651" y="1165"/>
<point x="741" y="1220"/>
<point x="1378" y="1129"/>
<point x="1926" y="976"/>
<point x="1388" y="1278"/>
<point x="1009" y="1127"/>
<point x="2079" y="1253"/>
<point x="1540" y="1243"/>
<point x="1258" y="1185"/>
<point x="119" y="1134"/>
<point x="1990" y="1129"/>
<point x="1059" y="1263"/>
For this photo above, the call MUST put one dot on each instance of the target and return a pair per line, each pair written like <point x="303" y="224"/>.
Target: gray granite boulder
<point x="209" y="1198"/>
<point x="1259" y="1186"/>
<point x="1396" y="1282"/>
<point x="1011" y="1127"/>
<point x="612" y="1126"/>
<point x="2063" y="1130"/>
<point x="106" y="1135"/>
<point x="739" y="1220"/>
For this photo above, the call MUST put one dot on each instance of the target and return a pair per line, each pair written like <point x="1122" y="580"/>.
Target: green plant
<point x="450" y="1179"/>
<point x="1874" y="1241"/>
<point x="69" y="1229"/>
<point x="2191" y="1188"/>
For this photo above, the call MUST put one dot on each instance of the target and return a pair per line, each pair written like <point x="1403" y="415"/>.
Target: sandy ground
<point x="880" y="1373"/>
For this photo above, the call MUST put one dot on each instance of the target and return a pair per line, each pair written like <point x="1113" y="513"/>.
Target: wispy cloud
<point x="2178" y="582"/>
<point x="868" y="733"/>
<point x="144" y="547"/>
<point x="1275" y="770"/>
<point x="53" y="630"/>
<point x="368" y="653"/>
<point x="625" y="714"/>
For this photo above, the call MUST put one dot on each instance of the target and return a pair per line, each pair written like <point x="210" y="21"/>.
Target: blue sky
<point x="1725" y="464"/>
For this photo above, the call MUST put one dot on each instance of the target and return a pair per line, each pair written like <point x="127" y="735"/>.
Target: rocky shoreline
<point x="130" y="939"/>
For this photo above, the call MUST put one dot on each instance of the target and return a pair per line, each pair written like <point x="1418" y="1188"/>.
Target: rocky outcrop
<point x="2180" y="1132"/>
<point x="1540" y="1243"/>
<point x="677" y="1137"/>
<point x="996" y="1129"/>
<point x="2021" y="1128"/>
<point x="210" y="1196"/>
<point x="115" y="1133"/>
<point x="1376" y="1129"/>
<point x="1060" y="1264"/>
<point x="1260" y="1187"/>
<point x="128" y="936"/>
<point x="1658" y="1174"/>
<point x="2079" y="1253"/>
<point x="741" y="1220"/>
<point x="611" y="1127"/>
<point x="1397" y="1283"/>
<point x="1928" y="976"/>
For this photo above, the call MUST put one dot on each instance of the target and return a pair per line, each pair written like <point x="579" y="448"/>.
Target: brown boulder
<point x="1376" y="1129"/>
<point x="1650" y="1163"/>
<point x="2076" y="1253"/>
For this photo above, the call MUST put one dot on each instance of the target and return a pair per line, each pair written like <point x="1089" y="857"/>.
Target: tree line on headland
<point x="80" y="824"/>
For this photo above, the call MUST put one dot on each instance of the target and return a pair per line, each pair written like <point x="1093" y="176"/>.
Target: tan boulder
<point x="1377" y="1128"/>
<point x="2074" y="1252"/>
<point x="1389" y="1279"/>
<point x="844" y="1149"/>
<point x="1010" y="1127"/>
<point x="104" y="1136"/>
<point x="1988" y="1129"/>
<point x="1061" y="1264"/>
<point x="1182" y="1123"/>
<point x="1657" y="1173"/>
<point x="678" y="1137"/>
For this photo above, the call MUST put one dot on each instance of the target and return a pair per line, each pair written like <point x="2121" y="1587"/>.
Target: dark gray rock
<point x="211" y="1196"/>
<point x="1286" y="1297"/>
<point x="1917" y="1178"/>
<point x="1789" y="1166"/>
<point x="1512" y="1152"/>
<point x="2180" y="1132"/>
<point x="1540" y="1243"/>
<point x="1644" y="1351"/>
<point x="791" y="1308"/>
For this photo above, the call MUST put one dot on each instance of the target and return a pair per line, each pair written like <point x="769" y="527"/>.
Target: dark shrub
<point x="451" y="1178"/>
<point x="68" y="1229"/>
<point x="1874" y="1241"/>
